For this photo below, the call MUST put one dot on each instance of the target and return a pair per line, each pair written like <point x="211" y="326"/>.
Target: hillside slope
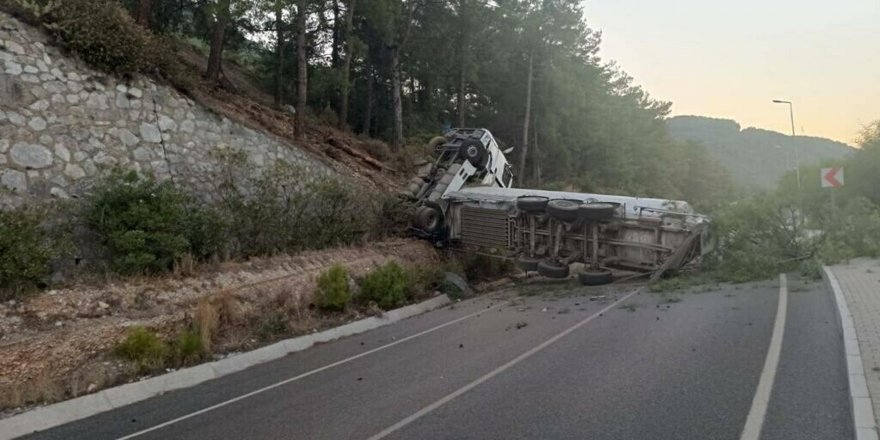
<point x="754" y="157"/>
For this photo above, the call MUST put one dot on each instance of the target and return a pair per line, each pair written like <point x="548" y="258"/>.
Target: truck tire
<point x="428" y="219"/>
<point x="532" y="204"/>
<point x="527" y="264"/>
<point x="435" y="143"/>
<point x="475" y="153"/>
<point x="564" y="210"/>
<point x="595" y="278"/>
<point x="552" y="269"/>
<point x="415" y="184"/>
<point x="598" y="210"/>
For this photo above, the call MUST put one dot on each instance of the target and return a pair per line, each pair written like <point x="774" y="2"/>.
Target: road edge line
<point x="864" y="421"/>
<point x="761" y="401"/>
<point x="56" y="414"/>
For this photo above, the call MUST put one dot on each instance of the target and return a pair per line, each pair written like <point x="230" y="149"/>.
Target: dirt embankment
<point x="57" y="344"/>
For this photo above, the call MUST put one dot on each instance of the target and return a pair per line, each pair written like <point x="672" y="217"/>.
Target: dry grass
<point x="185" y="267"/>
<point x="206" y="320"/>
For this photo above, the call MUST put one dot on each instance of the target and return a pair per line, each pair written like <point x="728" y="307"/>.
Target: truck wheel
<point x="598" y="210"/>
<point x="415" y="184"/>
<point x="428" y="219"/>
<point x="532" y="204"/>
<point x="435" y="144"/>
<point x="551" y="269"/>
<point x="591" y="278"/>
<point x="527" y="264"/>
<point x="561" y="209"/>
<point x="475" y="153"/>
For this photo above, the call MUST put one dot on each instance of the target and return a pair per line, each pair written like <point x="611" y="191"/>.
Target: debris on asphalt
<point x="460" y="345"/>
<point x="521" y="324"/>
<point x="596" y="298"/>
<point x="563" y="311"/>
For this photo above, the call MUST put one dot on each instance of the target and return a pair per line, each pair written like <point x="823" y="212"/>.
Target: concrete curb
<point x="863" y="412"/>
<point x="53" y="415"/>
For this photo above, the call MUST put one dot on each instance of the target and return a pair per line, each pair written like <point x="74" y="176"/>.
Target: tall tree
<point x="526" y="121"/>
<point x="463" y="43"/>
<point x="302" y="68"/>
<point x="279" y="51"/>
<point x="221" y="13"/>
<point x="346" y="66"/>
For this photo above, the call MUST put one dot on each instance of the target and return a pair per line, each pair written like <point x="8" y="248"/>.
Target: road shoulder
<point x="855" y="293"/>
<point x="112" y="398"/>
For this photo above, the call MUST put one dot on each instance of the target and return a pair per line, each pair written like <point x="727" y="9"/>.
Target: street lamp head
<point x="779" y="101"/>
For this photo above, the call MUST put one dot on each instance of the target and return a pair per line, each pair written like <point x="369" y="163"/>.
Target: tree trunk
<point x="536" y="162"/>
<point x="144" y="12"/>
<point x="346" y="67"/>
<point x="462" y="60"/>
<point x="302" y="69"/>
<point x="368" y="110"/>
<point x="396" y="103"/>
<point x="334" y="54"/>
<point x="217" y="37"/>
<point x="279" y="53"/>
<point x="525" y="138"/>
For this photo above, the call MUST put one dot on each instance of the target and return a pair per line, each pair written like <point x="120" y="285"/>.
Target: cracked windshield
<point x="440" y="219"/>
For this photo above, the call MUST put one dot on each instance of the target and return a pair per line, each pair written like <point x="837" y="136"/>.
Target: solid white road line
<point x="306" y="374"/>
<point x="755" y="420"/>
<point x="420" y="413"/>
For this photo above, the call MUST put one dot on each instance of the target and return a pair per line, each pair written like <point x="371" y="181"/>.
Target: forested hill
<point x="754" y="157"/>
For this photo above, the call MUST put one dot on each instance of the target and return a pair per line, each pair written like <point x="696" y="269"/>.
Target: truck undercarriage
<point x="465" y="200"/>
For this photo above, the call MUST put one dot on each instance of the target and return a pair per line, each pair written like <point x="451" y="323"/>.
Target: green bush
<point x="332" y="292"/>
<point x="147" y="225"/>
<point x="143" y="347"/>
<point x="140" y="221"/>
<point x="103" y="34"/>
<point x="388" y="286"/>
<point x="187" y="348"/>
<point x="27" y="247"/>
<point x="284" y="211"/>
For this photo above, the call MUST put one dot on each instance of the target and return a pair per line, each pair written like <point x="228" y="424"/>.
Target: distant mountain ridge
<point x="754" y="157"/>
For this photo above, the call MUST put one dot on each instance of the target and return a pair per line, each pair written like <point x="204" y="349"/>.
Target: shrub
<point x="103" y="34"/>
<point x="27" y="247"/>
<point x="388" y="286"/>
<point x="283" y="211"/>
<point x="140" y="222"/>
<point x="147" y="225"/>
<point x="143" y="347"/>
<point x="392" y="215"/>
<point x="332" y="292"/>
<point x="376" y="148"/>
<point x="187" y="348"/>
<point x="272" y="325"/>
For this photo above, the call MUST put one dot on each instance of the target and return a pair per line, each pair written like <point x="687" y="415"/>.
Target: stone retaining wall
<point x="62" y="124"/>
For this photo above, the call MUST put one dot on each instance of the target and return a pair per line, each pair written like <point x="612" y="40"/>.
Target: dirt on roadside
<point x="57" y="344"/>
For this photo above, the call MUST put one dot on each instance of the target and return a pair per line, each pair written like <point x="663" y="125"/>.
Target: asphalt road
<point x="542" y="362"/>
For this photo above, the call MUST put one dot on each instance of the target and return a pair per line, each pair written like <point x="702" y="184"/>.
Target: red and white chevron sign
<point x="832" y="177"/>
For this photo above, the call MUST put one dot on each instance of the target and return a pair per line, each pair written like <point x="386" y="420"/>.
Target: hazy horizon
<point x="730" y="60"/>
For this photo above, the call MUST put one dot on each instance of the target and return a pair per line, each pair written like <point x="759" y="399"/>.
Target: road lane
<point x="689" y="375"/>
<point x="657" y="370"/>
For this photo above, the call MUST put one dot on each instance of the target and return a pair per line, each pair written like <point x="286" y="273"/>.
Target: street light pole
<point x="796" y="152"/>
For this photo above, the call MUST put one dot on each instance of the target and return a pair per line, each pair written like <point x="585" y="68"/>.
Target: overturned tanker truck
<point x="466" y="199"/>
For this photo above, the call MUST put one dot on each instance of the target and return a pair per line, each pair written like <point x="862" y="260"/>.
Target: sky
<point x="730" y="59"/>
